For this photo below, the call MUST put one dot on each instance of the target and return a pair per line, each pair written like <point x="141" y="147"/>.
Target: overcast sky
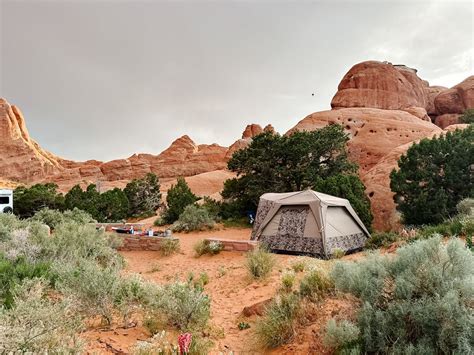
<point x="105" y="79"/>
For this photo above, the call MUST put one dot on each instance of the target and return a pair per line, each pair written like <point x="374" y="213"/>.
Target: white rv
<point x="6" y="201"/>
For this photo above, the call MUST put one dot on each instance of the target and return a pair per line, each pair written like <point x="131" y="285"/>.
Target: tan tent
<point x="308" y="222"/>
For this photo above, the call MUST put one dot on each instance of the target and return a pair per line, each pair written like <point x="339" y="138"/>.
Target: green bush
<point x="28" y="201"/>
<point x="277" y="325"/>
<point x="467" y="116"/>
<point x="169" y="246"/>
<point x="143" y="195"/>
<point x="381" y="239"/>
<point x="38" y="324"/>
<point x="342" y="337"/>
<point x="314" y="285"/>
<point x="13" y="272"/>
<point x="53" y="218"/>
<point x="9" y="223"/>
<point x="338" y="253"/>
<point x="201" y="281"/>
<point x="419" y="301"/>
<point x="200" y="247"/>
<point x="288" y="281"/>
<point x="428" y="185"/>
<point x="74" y="242"/>
<point x="207" y="247"/>
<point x="110" y="206"/>
<point x="466" y="207"/>
<point x="179" y="196"/>
<point x="259" y="263"/>
<point x="193" y="218"/>
<point x="243" y="325"/>
<point x="159" y="222"/>
<point x="241" y="222"/>
<point x="185" y="306"/>
<point x="212" y="207"/>
<point x="92" y="287"/>
<point x="298" y="266"/>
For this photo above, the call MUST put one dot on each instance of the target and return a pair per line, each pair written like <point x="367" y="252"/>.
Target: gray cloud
<point x="106" y="79"/>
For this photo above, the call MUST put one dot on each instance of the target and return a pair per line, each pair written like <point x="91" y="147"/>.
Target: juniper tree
<point x="433" y="176"/>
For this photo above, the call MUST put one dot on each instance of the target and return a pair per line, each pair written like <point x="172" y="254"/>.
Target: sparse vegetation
<point x="50" y="284"/>
<point x="193" y="218"/>
<point x="243" y="325"/>
<point x="260" y="263"/>
<point x="418" y="302"/>
<point x="338" y="253"/>
<point x="315" y="285"/>
<point x="159" y="222"/>
<point x="185" y="306"/>
<point x="277" y="326"/>
<point x="207" y="247"/>
<point x="169" y="246"/>
<point x="37" y="323"/>
<point x="381" y="239"/>
<point x="288" y="281"/>
<point x="298" y="266"/>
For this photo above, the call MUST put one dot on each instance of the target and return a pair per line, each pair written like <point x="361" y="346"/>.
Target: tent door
<point x="292" y="221"/>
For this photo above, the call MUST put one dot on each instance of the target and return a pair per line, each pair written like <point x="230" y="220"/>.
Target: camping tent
<point x="308" y="222"/>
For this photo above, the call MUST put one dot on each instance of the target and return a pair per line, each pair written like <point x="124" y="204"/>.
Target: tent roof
<point x="304" y="196"/>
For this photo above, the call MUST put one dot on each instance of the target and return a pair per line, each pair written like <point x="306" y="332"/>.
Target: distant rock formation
<point x="383" y="107"/>
<point x="23" y="161"/>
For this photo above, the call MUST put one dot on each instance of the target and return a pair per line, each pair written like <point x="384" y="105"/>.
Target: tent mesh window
<point x="292" y="221"/>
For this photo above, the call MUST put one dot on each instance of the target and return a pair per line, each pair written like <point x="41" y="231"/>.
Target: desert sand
<point x="230" y="289"/>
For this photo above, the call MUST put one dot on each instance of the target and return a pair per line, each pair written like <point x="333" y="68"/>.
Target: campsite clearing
<point x="230" y="289"/>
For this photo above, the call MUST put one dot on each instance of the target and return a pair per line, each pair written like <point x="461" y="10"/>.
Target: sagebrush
<point x="420" y="301"/>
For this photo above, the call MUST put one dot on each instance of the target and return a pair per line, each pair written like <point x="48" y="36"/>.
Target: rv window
<point x="4" y="200"/>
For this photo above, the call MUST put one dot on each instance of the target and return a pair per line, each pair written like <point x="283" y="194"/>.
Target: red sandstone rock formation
<point x="383" y="107"/>
<point x="396" y="87"/>
<point x="373" y="132"/>
<point x="457" y="99"/>
<point x="252" y="130"/>
<point x="380" y="85"/>
<point x="22" y="160"/>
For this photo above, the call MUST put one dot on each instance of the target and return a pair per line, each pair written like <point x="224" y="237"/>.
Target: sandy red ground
<point x="230" y="289"/>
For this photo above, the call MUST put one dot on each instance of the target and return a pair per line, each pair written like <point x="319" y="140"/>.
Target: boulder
<point x="457" y="99"/>
<point x="380" y="85"/>
<point x="419" y="112"/>
<point x="447" y="119"/>
<point x="252" y="130"/>
<point x="256" y="309"/>
<point x="432" y="92"/>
